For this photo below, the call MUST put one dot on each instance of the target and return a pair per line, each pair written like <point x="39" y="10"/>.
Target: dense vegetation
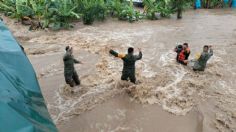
<point x="215" y="3"/>
<point x="57" y="14"/>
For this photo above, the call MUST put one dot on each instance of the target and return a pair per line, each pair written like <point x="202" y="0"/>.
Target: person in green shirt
<point x="70" y="74"/>
<point x="129" y="60"/>
<point x="201" y="62"/>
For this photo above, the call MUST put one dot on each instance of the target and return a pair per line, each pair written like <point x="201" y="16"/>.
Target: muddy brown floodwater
<point x="169" y="97"/>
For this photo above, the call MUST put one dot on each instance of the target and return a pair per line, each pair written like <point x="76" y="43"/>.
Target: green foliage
<point x="213" y="3"/>
<point x="152" y="7"/>
<point x="92" y="10"/>
<point x="127" y="12"/>
<point x="55" y="14"/>
<point x="114" y="7"/>
<point x="123" y="10"/>
<point x="8" y="7"/>
<point x="23" y="8"/>
<point x="58" y="14"/>
<point x="189" y="4"/>
<point x="165" y="7"/>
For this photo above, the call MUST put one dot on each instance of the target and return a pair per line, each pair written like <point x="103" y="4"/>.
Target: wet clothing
<point x="182" y="54"/>
<point x="187" y="53"/>
<point x="200" y="64"/>
<point x="129" y="60"/>
<point x="178" y="49"/>
<point x="72" y="79"/>
<point x="70" y="74"/>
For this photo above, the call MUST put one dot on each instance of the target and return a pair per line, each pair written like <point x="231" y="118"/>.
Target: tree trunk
<point x="179" y="14"/>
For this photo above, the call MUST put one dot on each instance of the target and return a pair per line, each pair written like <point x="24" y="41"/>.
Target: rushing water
<point x="162" y="82"/>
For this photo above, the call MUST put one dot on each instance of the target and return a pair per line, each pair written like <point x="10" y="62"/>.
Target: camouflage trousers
<point x="72" y="79"/>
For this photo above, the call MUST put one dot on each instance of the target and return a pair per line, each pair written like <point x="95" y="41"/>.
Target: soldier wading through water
<point x="129" y="63"/>
<point x="70" y="74"/>
<point x="201" y="62"/>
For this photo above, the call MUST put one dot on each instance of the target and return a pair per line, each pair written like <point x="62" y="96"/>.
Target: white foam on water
<point x="227" y="89"/>
<point x="155" y="67"/>
<point x="167" y="58"/>
<point x="147" y="70"/>
<point x="174" y="93"/>
<point x="67" y="106"/>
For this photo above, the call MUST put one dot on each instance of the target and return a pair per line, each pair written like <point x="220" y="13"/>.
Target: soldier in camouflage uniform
<point x="128" y="63"/>
<point x="70" y="74"/>
<point x="200" y="64"/>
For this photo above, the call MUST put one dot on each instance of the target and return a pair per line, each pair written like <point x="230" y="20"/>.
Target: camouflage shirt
<point x="69" y="62"/>
<point x="200" y="64"/>
<point x="128" y="60"/>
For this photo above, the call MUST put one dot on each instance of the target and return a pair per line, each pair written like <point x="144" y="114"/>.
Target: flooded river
<point x="168" y="96"/>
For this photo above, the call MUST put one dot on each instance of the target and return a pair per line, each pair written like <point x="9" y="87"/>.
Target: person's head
<point x="130" y="50"/>
<point x="185" y="45"/>
<point x="205" y="48"/>
<point x="69" y="49"/>
<point x="178" y="48"/>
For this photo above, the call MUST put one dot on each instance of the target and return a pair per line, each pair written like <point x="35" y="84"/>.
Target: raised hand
<point x="139" y="49"/>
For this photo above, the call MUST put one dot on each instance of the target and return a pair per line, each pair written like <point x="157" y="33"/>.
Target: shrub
<point x="213" y="3"/>
<point x="127" y="12"/>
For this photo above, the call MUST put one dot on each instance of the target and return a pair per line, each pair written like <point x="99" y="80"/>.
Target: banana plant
<point x="87" y="9"/>
<point x="114" y="7"/>
<point x="164" y="8"/>
<point x="150" y="9"/>
<point x="8" y="7"/>
<point x="58" y="13"/>
<point x="213" y="3"/>
<point x="23" y="9"/>
<point x="129" y="13"/>
<point x="157" y="6"/>
<point x="92" y="10"/>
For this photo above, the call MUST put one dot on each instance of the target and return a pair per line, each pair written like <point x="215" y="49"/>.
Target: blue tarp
<point x="234" y="3"/>
<point x="22" y="107"/>
<point x="198" y="4"/>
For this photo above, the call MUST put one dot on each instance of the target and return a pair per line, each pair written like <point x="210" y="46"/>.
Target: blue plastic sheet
<point x="234" y="3"/>
<point x="198" y="4"/>
<point x="22" y="106"/>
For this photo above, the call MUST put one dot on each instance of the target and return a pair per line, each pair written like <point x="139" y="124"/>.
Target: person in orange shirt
<point x="183" y="52"/>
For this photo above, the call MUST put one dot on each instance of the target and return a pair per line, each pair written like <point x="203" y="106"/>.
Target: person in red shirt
<point x="183" y="52"/>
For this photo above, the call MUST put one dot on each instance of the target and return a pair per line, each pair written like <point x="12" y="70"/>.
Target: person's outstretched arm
<point x="210" y="52"/>
<point x="114" y="53"/>
<point x="140" y="55"/>
<point x="77" y="62"/>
